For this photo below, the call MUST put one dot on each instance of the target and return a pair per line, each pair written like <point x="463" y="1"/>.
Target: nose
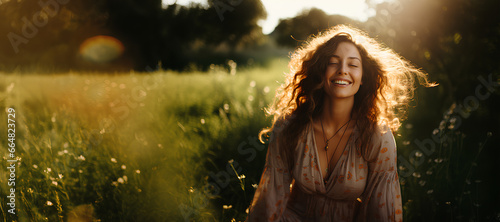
<point x="342" y="69"/>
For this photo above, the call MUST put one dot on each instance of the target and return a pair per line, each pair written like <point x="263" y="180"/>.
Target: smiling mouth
<point x="340" y="82"/>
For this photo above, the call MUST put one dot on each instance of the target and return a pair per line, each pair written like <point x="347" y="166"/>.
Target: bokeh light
<point x="101" y="49"/>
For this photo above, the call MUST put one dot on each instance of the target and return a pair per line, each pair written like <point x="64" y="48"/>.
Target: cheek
<point x="360" y="76"/>
<point x="329" y="71"/>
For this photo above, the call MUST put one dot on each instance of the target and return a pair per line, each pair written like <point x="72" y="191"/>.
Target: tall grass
<point x="165" y="146"/>
<point x="440" y="182"/>
<point x="127" y="147"/>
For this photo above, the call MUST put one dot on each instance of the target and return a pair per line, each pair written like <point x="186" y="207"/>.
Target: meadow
<point x="166" y="146"/>
<point x="129" y="146"/>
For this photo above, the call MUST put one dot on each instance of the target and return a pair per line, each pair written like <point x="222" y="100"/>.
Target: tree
<point x="47" y="34"/>
<point x="290" y="32"/>
<point x="457" y="43"/>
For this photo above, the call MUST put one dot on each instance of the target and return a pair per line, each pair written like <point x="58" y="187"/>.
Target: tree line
<point x="47" y="33"/>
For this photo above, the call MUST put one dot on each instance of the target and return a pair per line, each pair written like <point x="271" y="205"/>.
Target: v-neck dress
<point x="356" y="190"/>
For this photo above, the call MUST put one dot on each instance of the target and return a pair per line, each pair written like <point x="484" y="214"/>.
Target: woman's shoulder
<point x="382" y="132"/>
<point x="282" y="122"/>
<point x="382" y="137"/>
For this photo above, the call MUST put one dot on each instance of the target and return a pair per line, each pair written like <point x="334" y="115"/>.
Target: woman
<point x="332" y="154"/>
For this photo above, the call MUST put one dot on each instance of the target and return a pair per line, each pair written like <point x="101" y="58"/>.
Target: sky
<point x="278" y="9"/>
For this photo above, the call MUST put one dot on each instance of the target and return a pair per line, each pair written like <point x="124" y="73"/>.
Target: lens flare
<point x="101" y="49"/>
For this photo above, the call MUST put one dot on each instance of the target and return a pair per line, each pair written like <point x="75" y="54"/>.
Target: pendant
<point x="326" y="147"/>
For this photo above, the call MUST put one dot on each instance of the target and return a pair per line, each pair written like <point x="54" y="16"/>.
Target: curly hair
<point x="388" y="86"/>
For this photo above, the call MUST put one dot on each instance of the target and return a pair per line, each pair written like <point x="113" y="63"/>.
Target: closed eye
<point x="353" y="65"/>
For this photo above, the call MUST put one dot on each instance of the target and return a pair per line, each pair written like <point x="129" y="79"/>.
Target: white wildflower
<point x="409" y="126"/>
<point x="435" y="132"/>
<point x="418" y="154"/>
<point x="453" y="120"/>
<point x="266" y="89"/>
<point x="442" y="124"/>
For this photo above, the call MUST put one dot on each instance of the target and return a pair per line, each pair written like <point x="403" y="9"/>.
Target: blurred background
<point x="149" y="110"/>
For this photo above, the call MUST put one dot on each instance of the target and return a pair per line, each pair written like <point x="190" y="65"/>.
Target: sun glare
<point x="278" y="9"/>
<point x="101" y="49"/>
<point x="355" y="9"/>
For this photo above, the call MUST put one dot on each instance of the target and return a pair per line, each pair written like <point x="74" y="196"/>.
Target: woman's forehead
<point x="346" y="50"/>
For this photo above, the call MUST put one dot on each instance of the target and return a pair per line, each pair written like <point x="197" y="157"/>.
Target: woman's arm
<point x="272" y="194"/>
<point x="381" y="200"/>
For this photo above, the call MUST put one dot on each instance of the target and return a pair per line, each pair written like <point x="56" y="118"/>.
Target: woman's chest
<point x="347" y="180"/>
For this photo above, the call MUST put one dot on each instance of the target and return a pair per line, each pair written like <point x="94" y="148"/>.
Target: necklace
<point x="326" y="146"/>
<point x="324" y="137"/>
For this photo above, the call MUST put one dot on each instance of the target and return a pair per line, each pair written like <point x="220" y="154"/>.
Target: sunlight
<point x="166" y="3"/>
<point x="278" y="9"/>
<point x="356" y="9"/>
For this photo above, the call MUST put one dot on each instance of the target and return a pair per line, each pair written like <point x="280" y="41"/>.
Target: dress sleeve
<point x="381" y="200"/>
<point x="273" y="192"/>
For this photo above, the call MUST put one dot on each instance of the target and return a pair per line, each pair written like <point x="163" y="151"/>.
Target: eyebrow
<point x="351" y="57"/>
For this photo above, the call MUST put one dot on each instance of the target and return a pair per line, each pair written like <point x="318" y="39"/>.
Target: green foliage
<point x="456" y="43"/>
<point x="149" y="146"/>
<point x="188" y="143"/>
<point x="152" y="33"/>
<point x="442" y="176"/>
<point x="291" y="32"/>
<point x="134" y="147"/>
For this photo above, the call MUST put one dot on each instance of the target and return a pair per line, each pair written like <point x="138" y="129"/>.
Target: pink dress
<point x="356" y="190"/>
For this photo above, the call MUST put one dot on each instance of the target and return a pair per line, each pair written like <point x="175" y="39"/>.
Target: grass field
<point x="128" y="146"/>
<point x="165" y="146"/>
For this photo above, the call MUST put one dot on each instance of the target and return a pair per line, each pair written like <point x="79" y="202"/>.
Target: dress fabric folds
<point x="356" y="190"/>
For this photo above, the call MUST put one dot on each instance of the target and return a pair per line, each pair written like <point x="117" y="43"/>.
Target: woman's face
<point x="344" y="72"/>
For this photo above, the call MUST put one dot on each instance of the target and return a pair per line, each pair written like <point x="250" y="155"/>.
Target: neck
<point x="336" y="112"/>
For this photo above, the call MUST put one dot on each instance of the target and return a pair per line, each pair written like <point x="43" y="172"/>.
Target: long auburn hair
<point x="388" y="85"/>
